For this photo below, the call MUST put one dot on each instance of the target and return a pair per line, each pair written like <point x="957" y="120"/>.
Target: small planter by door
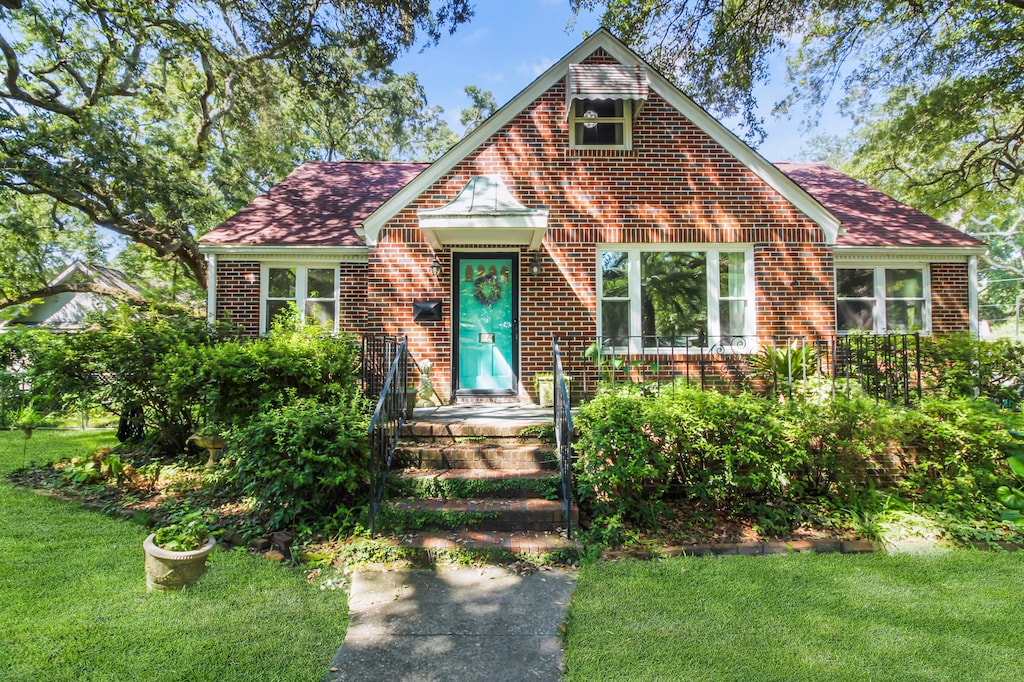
<point x="167" y="570"/>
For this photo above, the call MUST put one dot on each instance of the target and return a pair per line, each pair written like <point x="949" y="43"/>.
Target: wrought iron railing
<point x="563" y="433"/>
<point x="378" y="354"/>
<point x="386" y="423"/>
<point x="886" y="366"/>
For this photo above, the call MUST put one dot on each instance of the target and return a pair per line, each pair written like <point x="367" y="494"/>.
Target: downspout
<point x="972" y="294"/>
<point x="211" y="288"/>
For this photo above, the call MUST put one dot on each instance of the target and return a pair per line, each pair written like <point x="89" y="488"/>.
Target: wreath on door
<point x="487" y="290"/>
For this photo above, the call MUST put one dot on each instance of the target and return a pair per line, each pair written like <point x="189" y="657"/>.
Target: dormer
<point x="602" y="100"/>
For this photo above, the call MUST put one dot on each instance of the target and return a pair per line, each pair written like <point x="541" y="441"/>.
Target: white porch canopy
<point x="484" y="212"/>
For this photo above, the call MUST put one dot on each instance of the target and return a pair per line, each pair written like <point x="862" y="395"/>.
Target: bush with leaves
<point x="304" y="459"/>
<point x="959" y="366"/>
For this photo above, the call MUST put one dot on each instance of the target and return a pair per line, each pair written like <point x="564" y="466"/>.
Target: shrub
<point x="304" y="459"/>
<point x="959" y="366"/>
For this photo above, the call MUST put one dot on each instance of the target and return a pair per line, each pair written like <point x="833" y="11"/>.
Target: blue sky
<point x="509" y="43"/>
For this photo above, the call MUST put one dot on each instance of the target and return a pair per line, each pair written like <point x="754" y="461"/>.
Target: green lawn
<point x="804" y="617"/>
<point x="73" y="604"/>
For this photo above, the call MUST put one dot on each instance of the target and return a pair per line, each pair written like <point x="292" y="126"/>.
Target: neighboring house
<point x="68" y="311"/>
<point x="600" y="202"/>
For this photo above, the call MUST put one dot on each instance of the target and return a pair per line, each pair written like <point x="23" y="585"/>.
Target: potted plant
<point x="176" y="553"/>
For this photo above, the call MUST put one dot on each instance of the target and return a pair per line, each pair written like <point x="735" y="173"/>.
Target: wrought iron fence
<point x="390" y="412"/>
<point x="564" y="433"/>
<point x="886" y="367"/>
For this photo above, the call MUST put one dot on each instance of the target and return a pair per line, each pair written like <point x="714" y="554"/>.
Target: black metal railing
<point x="386" y="423"/>
<point x="378" y="354"/>
<point x="887" y="367"/>
<point x="564" y="433"/>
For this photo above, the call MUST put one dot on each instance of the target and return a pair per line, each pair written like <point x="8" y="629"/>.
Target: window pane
<point x="614" y="274"/>
<point x="733" y="318"/>
<point x="853" y="314"/>
<point x="855" y="283"/>
<point x="904" y="315"/>
<point x="281" y="283"/>
<point x="731" y="275"/>
<point x="673" y="295"/>
<point x="320" y="283"/>
<point x="599" y="133"/>
<point x="604" y="108"/>
<point x="320" y="312"/>
<point x="276" y="308"/>
<point x="904" y="283"/>
<point x="615" y="322"/>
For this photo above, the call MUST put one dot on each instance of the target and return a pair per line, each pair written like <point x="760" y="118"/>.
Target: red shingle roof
<point x="870" y="217"/>
<point x="319" y="204"/>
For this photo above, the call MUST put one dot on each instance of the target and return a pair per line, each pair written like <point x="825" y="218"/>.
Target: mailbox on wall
<point x="426" y="311"/>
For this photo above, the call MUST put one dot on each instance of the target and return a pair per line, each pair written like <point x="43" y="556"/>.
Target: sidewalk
<point x="468" y="624"/>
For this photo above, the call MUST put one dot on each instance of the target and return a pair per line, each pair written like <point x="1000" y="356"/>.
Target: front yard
<point x="799" y="617"/>
<point x="75" y="606"/>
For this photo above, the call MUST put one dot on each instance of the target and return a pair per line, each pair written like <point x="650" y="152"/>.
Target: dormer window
<point x="602" y="100"/>
<point x="601" y="124"/>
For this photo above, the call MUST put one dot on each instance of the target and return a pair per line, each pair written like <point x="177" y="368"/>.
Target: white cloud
<point x="477" y="36"/>
<point x="536" y="68"/>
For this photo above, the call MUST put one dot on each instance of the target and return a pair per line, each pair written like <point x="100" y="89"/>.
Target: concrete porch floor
<point x="476" y="414"/>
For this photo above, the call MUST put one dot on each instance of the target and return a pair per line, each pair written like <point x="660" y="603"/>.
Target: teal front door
<point x="486" y="336"/>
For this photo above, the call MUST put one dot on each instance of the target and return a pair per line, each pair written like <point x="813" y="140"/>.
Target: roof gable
<point x="603" y="39"/>
<point x="320" y="203"/>
<point x="872" y="218"/>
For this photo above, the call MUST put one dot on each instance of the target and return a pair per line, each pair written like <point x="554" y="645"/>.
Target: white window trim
<point x="301" y="282"/>
<point x="712" y="251"/>
<point x="626" y="120"/>
<point x="881" y="323"/>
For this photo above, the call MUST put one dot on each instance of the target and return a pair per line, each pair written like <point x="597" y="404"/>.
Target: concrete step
<point x="485" y="483"/>
<point x="487" y="514"/>
<point x="481" y="455"/>
<point x="518" y="542"/>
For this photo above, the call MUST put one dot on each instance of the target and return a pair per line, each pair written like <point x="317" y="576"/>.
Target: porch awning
<point x="607" y="81"/>
<point x="484" y="212"/>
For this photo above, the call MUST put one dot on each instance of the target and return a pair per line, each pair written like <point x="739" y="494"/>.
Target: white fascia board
<point x="602" y="38"/>
<point x="895" y="254"/>
<point x="334" y="254"/>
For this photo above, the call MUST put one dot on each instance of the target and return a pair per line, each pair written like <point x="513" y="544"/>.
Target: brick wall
<point x="950" y="297"/>
<point x="675" y="186"/>
<point x="238" y="294"/>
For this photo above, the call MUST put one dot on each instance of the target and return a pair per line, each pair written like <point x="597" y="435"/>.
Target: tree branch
<point x="72" y="288"/>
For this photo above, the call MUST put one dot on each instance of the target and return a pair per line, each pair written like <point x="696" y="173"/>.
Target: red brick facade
<point x="676" y="185"/>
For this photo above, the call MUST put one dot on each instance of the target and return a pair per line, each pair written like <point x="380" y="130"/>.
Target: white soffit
<point x="484" y="212"/>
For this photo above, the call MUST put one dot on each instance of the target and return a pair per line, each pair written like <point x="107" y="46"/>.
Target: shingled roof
<point x="870" y="217"/>
<point x="320" y="203"/>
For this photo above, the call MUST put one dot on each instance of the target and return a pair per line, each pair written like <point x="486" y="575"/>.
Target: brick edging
<point x="822" y="546"/>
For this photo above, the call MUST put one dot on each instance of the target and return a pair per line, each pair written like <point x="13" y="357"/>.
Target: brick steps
<point x="478" y="484"/>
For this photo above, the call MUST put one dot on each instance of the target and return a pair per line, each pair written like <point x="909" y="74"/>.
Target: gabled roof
<point x="602" y="39"/>
<point x="68" y="310"/>
<point x="320" y="203"/>
<point x="870" y="217"/>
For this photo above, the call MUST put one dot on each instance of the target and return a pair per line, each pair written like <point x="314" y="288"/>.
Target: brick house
<point x="600" y="203"/>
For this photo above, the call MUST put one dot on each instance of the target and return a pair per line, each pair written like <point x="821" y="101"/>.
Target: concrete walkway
<point x="482" y="623"/>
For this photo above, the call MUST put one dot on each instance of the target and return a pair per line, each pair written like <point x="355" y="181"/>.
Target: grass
<point x="803" y="617"/>
<point x="75" y="607"/>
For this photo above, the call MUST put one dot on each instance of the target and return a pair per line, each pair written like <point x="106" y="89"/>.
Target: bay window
<point x="879" y="299"/>
<point x="307" y="291"/>
<point x="677" y="296"/>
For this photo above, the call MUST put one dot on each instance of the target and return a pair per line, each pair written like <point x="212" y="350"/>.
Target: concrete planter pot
<point x="166" y="570"/>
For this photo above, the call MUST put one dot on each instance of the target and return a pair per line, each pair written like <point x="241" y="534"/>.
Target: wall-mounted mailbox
<point x="426" y="311"/>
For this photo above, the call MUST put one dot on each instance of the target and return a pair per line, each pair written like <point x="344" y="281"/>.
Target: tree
<point x="482" y="105"/>
<point x="157" y="119"/>
<point x="950" y="75"/>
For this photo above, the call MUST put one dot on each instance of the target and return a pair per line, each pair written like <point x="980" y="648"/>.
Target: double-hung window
<point x="309" y="292"/>
<point x="679" y="296"/>
<point x="600" y="124"/>
<point x="880" y="299"/>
